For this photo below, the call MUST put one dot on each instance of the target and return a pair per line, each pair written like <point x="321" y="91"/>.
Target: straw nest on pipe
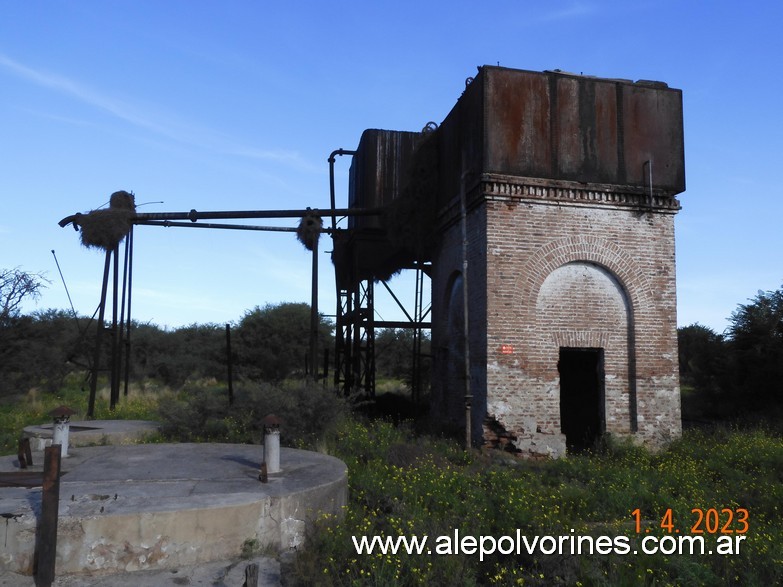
<point x="104" y="229"/>
<point x="309" y="230"/>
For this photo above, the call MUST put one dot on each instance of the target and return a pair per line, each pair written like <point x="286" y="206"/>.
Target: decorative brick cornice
<point x="513" y="188"/>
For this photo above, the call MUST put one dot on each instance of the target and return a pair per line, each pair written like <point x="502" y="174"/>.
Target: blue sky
<point x="236" y="105"/>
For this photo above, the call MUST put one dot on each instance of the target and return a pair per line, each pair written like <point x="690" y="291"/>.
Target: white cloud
<point x="573" y="10"/>
<point x="288" y="158"/>
<point x="182" y="132"/>
<point x="64" y="85"/>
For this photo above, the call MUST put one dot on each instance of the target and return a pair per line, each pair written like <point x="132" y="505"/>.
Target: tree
<point x="756" y="342"/>
<point x="15" y="341"/>
<point x="273" y="341"/>
<point x="15" y="286"/>
<point x="394" y="353"/>
<point x="704" y="359"/>
<point x="192" y="352"/>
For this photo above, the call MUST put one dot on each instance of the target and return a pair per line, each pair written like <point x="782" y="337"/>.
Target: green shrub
<point x="203" y="413"/>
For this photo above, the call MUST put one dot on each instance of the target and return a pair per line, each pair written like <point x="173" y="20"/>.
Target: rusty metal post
<point x="229" y="366"/>
<point x="96" y="359"/>
<point x="21" y="454"/>
<point x="25" y="453"/>
<point x="46" y="535"/>
<point x="125" y="326"/>
<point x="251" y="575"/>
<point x="114" y="384"/>
<point x="313" y="363"/>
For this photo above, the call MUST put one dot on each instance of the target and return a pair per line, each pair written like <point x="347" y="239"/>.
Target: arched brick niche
<point x="587" y="249"/>
<point x="582" y="305"/>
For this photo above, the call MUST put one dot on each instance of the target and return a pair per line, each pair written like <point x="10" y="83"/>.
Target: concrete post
<point x="62" y="423"/>
<point x="272" y="444"/>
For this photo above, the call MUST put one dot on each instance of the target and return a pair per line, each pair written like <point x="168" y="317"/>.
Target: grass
<point x="401" y="484"/>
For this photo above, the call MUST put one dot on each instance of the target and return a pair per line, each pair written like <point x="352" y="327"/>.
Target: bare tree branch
<point x="15" y="286"/>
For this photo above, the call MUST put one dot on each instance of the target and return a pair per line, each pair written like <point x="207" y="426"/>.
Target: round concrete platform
<point x="93" y="432"/>
<point x="163" y="506"/>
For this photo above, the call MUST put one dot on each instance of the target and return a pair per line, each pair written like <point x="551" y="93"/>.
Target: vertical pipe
<point x="61" y="434"/>
<point x="121" y="337"/>
<point x="115" y="347"/>
<point x="331" y="181"/>
<point x="465" y="313"/>
<point x="332" y="199"/>
<point x="342" y="354"/>
<point x="272" y="449"/>
<point x="314" y="317"/>
<point x="230" y="366"/>
<point x="417" y="319"/>
<point x="96" y="359"/>
<point x="46" y="535"/>
<point x="649" y="169"/>
<point x="128" y="327"/>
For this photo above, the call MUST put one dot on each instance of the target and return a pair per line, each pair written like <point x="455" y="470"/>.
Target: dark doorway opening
<point x="581" y="396"/>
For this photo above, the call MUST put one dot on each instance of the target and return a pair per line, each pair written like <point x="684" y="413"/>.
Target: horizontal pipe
<point x="400" y="324"/>
<point x="195" y="215"/>
<point x="170" y="223"/>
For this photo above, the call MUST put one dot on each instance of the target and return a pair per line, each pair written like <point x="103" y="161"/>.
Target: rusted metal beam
<point x="46" y="535"/>
<point x="21" y="479"/>
<point x="25" y="453"/>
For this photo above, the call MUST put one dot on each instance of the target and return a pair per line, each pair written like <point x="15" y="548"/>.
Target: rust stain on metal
<point x="271" y="421"/>
<point x="62" y="412"/>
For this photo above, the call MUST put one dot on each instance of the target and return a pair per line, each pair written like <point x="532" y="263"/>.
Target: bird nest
<point x="104" y="229"/>
<point x="309" y="230"/>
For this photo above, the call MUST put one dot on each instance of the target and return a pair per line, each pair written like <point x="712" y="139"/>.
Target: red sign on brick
<point x="506" y="349"/>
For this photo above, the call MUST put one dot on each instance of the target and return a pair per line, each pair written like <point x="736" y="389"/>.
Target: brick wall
<point x="555" y="265"/>
<point x="448" y="286"/>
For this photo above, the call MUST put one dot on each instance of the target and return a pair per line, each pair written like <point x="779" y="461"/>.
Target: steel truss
<point x="355" y="336"/>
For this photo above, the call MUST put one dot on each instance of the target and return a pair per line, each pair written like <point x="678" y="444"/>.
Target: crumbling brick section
<point x="497" y="437"/>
